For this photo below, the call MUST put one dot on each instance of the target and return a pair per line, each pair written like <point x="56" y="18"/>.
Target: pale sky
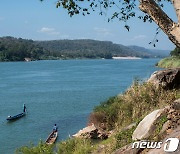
<point x="32" y="19"/>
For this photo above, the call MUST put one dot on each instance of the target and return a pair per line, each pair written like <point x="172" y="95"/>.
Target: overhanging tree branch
<point x="126" y="11"/>
<point x="170" y="28"/>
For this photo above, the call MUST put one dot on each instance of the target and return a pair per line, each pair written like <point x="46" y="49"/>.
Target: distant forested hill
<point x="89" y="49"/>
<point x="16" y="49"/>
<point x="13" y="49"/>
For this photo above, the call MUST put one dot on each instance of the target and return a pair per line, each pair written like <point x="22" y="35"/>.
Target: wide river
<point x="61" y="92"/>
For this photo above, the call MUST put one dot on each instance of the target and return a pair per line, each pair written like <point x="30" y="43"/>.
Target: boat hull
<point x="52" y="138"/>
<point x="16" y="116"/>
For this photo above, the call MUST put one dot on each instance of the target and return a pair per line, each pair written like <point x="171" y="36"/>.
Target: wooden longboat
<point x="52" y="137"/>
<point x="11" y="118"/>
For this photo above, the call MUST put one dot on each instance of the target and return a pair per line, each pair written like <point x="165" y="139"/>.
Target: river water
<point x="62" y="92"/>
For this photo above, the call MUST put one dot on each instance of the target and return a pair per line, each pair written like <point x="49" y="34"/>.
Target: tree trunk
<point x="176" y="4"/>
<point x="170" y="28"/>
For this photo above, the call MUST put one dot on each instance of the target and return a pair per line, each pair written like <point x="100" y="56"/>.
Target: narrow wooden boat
<point x="52" y="137"/>
<point x="10" y="118"/>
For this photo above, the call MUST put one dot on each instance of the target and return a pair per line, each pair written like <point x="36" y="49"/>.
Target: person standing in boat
<point x="55" y="128"/>
<point x="24" y="108"/>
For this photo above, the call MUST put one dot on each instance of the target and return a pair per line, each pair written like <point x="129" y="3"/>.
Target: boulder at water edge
<point x="91" y="132"/>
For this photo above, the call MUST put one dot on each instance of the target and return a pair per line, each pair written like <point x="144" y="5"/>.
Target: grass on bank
<point x="114" y="114"/>
<point x="178" y="94"/>
<point x="135" y="103"/>
<point x="41" y="148"/>
<point x="157" y="135"/>
<point x="169" y="62"/>
<point x="75" y="146"/>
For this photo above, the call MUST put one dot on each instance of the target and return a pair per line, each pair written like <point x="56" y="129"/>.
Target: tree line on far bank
<point x="17" y="49"/>
<point x="13" y="49"/>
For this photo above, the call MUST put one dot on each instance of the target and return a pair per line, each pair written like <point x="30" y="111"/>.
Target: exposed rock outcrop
<point x="174" y="116"/>
<point x="91" y="132"/>
<point x="147" y="125"/>
<point x="176" y="104"/>
<point x="127" y="149"/>
<point x="170" y="129"/>
<point x="174" y="134"/>
<point x="168" y="79"/>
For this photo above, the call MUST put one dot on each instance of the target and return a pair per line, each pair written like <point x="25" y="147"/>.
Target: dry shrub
<point x="98" y="119"/>
<point x="141" y="99"/>
<point x="134" y="104"/>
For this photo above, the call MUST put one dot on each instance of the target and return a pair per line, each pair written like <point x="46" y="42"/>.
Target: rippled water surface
<point x="62" y="92"/>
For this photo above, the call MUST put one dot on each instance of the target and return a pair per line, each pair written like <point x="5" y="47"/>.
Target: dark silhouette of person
<point x="24" y="108"/>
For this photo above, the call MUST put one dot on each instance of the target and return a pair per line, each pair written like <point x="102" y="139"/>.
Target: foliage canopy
<point x="123" y="10"/>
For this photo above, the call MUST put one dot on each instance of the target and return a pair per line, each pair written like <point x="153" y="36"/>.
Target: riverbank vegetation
<point x="41" y="148"/>
<point x="171" y="62"/>
<point x="134" y="104"/>
<point x="115" y="115"/>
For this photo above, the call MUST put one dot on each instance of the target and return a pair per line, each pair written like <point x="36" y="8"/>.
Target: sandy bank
<point x="126" y="58"/>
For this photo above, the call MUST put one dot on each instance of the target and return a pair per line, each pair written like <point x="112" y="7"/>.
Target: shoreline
<point x="113" y="58"/>
<point x="128" y="57"/>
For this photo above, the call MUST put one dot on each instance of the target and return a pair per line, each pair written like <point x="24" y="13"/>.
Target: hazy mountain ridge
<point x="155" y="52"/>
